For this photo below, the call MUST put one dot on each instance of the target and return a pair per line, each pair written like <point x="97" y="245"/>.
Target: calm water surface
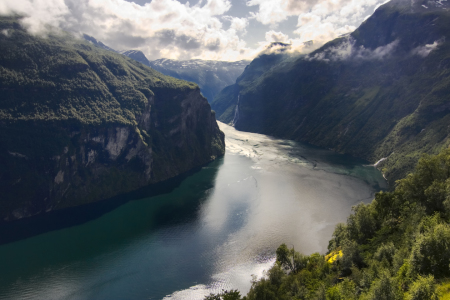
<point x="212" y="232"/>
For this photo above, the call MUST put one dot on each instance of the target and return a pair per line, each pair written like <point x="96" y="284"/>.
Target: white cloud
<point x="318" y="20"/>
<point x="347" y="50"/>
<point x="238" y="24"/>
<point x="161" y="28"/>
<point x="168" y="28"/>
<point x="274" y="36"/>
<point x="426" y="49"/>
<point x="379" y="53"/>
<point x="44" y="12"/>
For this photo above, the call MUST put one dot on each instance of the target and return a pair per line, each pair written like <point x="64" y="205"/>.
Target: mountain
<point x="380" y="93"/>
<point x="80" y="124"/>
<point x="137" y="56"/>
<point x="211" y="76"/>
<point x="97" y="43"/>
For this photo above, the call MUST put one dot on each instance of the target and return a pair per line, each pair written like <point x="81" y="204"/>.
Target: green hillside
<point x="80" y="124"/>
<point x="381" y="92"/>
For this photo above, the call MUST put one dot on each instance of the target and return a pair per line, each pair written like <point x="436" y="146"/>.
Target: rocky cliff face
<point x="79" y="124"/>
<point x="380" y="92"/>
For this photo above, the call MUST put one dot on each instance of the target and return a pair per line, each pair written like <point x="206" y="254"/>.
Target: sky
<point x="227" y="30"/>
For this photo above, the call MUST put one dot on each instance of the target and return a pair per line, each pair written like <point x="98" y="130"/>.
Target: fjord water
<point x="212" y="232"/>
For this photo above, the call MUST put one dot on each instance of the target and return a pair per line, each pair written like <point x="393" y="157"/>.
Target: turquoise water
<point x="214" y="230"/>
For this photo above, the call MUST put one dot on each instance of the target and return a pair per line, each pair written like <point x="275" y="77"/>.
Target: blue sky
<point x="205" y="29"/>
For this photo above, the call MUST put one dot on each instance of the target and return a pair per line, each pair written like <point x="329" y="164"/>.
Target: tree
<point x="431" y="252"/>
<point x="262" y="290"/>
<point x="424" y="288"/>
<point x="385" y="251"/>
<point x="384" y="288"/>
<point x="362" y="224"/>
<point x="225" y="295"/>
<point x="345" y="290"/>
<point x="290" y="260"/>
<point x="284" y="257"/>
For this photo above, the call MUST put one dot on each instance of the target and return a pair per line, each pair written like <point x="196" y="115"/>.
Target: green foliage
<point x="396" y="107"/>
<point x="345" y="290"/>
<point x="292" y="261"/>
<point x="63" y="101"/>
<point x="406" y="247"/>
<point x="384" y="288"/>
<point x="385" y="252"/>
<point x="62" y="78"/>
<point x="424" y="288"/>
<point x="431" y="252"/>
<point x="362" y="224"/>
<point x="225" y="295"/>
<point x="262" y="289"/>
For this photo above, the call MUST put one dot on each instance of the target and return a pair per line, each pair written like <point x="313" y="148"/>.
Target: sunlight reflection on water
<point x="212" y="232"/>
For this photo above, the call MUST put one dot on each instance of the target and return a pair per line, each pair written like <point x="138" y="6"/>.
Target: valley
<point x="220" y="158"/>
<point x="211" y="232"/>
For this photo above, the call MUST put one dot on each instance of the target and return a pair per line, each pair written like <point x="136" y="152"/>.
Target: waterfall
<point x="236" y="112"/>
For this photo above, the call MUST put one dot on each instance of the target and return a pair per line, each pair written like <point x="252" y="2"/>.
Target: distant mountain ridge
<point x="211" y="76"/>
<point x="381" y="92"/>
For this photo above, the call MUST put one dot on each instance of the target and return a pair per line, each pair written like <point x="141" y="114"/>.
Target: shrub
<point x="385" y="251"/>
<point x="431" y="252"/>
<point x="424" y="288"/>
<point x="384" y="288"/>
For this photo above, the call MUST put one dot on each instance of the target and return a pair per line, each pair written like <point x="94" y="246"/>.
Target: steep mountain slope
<point x="211" y="76"/>
<point x="225" y="103"/>
<point x="97" y="43"/>
<point x="381" y="92"/>
<point x="79" y="124"/>
<point x="138" y="56"/>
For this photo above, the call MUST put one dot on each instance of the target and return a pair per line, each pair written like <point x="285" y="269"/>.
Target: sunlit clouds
<point x="207" y="29"/>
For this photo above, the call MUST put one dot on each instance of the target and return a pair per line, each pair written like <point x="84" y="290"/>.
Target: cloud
<point x="171" y="29"/>
<point x="44" y="12"/>
<point x="347" y="50"/>
<point x="426" y="49"/>
<point x="379" y="53"/>
<point x="318" y="20"/>
<point x="276" y="11"/>
<point x="273" y="36"/>
<point x="161" y="28"/>
<point x="238" y="24"/>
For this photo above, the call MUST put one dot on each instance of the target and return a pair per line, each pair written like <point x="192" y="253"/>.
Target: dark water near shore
<point x="214" y="230"/>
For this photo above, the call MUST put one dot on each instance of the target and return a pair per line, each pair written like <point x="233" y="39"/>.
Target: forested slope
<point x="80" y="124"/>
<point x="380" y="92"/>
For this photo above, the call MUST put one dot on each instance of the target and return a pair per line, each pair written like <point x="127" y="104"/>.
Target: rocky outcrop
<point x="78" y="136"/>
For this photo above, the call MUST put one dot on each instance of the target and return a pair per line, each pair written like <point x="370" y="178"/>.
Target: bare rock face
<point x="72" y="136"/>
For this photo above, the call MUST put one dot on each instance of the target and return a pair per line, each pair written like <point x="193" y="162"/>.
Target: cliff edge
<point x="79" y="124"/>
